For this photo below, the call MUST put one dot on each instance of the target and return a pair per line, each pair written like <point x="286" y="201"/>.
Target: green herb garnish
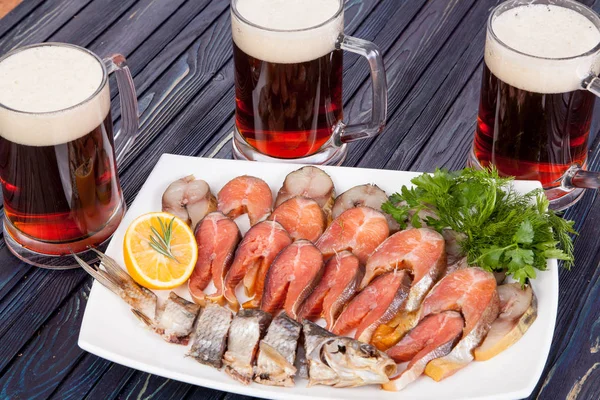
<point x="503" y="230"/>
<point x="161" y="241"/>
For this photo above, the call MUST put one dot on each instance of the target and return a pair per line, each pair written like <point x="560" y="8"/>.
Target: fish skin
<point x="253" y="257"/>
<point x="341" y="277"/>
<point x="376" y="304"/>
<point x="210" y="335"/>
<point x="217" y="237"/>
<point x="359" y="230"/>
<point x="472" y="291"/>
<point x="438" y="343"/>
<point x="277" y="351"/>
<point x="302" y="217"/>
<point x="245" y="332"/>
<point x="420" y="251"/>
<point x="291" y="277"/>
<point x="174" y="319"/>
<point x="343" y="362"/>
<point x="246" y="195"/>
<point x="311" y="182"/>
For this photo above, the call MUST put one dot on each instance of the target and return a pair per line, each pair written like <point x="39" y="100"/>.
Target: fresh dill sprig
<point x="503" y="230"/>
<point x="161" y="241"/>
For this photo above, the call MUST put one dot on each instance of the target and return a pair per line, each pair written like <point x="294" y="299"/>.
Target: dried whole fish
<point x="118" y="281"/>
<point x="175" y="319"/>
<point x="210" y="335"/>
<point x="245" y="332"/>
<point x="189" y="199"/>
<point x="343" y="362"/>
<point x="277" y="351"/>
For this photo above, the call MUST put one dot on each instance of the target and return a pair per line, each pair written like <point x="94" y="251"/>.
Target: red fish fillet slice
<point x="472" y="291"/>
<point x="301" y="217"/>
<point x="433" y="329"/>
<point x="421" y="251"/>
<point x="291" y="278"/>
<point x="311" y="182"/>
<point x="338" y="285"/>
<point x="433" y="338"/>
<point x="359" y="230"/>
<point x="246" y="195"/>
<point x="254" y="255"/>
<point x="217" y="237"/>
<point x="374" y="305"/>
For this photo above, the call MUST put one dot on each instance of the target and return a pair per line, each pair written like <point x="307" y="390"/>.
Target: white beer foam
<point x="40" y="85"/>
<point x="289" y="44"/>
<point x="548" y="31"/>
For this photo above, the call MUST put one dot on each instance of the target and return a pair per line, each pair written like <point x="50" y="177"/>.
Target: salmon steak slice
<point x="301" y="217"/>
<point x="310" y="182"/>
<point x="434" y="337"/>
<point x="472" y="292"/>
<point x="359" y="230"/>
<point x="254" y="255"/>
<point x="292" y="277"/>
<point x="339" y="284"/>
<point x="246" y="195"/>
<point x="420" y="251"/>
<point x="217" y="237"/>
<point x="376" y="304"/>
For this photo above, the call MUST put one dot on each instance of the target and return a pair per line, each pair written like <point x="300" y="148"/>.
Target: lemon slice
<point x="160" y="251"/>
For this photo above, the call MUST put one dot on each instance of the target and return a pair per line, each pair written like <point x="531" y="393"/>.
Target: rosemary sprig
<point x="161" y="241"/>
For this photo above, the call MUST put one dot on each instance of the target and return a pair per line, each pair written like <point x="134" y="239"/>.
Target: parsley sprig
<point x="503" y="230"/>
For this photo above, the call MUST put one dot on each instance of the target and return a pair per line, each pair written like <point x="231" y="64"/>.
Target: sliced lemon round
<point x="160" y="251"/>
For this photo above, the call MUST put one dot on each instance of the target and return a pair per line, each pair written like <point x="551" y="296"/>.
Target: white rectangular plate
<point x="111" y="331"/>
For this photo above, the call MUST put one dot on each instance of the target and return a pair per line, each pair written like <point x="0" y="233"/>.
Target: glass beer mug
<point x="288" y="81"/>
<point x="539" y="85"/>
<point x="58" y="156"/>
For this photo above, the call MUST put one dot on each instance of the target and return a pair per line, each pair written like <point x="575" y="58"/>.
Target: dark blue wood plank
<point x="41" y="23"/>
<point x="17" y="14"/>
<point x="48" y="356"/>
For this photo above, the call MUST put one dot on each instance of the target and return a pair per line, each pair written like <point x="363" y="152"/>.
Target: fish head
<point x="358" y="362"/>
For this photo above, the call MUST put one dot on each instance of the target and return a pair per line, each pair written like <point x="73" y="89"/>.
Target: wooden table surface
<point x="181" y="58"/>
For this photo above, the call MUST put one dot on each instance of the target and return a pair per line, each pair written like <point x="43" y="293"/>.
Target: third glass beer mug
<point x="288" y="81"/>
<point x="57" y="153"/>
<point x="539" y="84"/>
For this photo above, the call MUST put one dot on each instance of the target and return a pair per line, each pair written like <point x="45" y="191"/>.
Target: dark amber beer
<point x="534" y="112"/>
<point x="288" y="74"/>
<point x="58" y="169"/>
<point x="288" y="110"/>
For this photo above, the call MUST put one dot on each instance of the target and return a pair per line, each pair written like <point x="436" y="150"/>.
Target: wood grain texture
<point x="7" y="6"/>
<point x="179" y="53"/>
<point x="41" y="23"/>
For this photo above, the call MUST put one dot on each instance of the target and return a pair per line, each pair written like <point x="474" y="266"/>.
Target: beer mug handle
<point x="348" y="133"/>
<point x="576" y="176"/>
<point x="129" y="131"/>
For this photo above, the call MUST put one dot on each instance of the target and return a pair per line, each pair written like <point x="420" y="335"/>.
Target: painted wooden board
<point x="433" y="51"/>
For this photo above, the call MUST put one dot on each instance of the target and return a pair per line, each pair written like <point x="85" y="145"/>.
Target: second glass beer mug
<point x="539" y="85"/>
<point x="288" y="81"/>
<point x="57" y="152"/>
